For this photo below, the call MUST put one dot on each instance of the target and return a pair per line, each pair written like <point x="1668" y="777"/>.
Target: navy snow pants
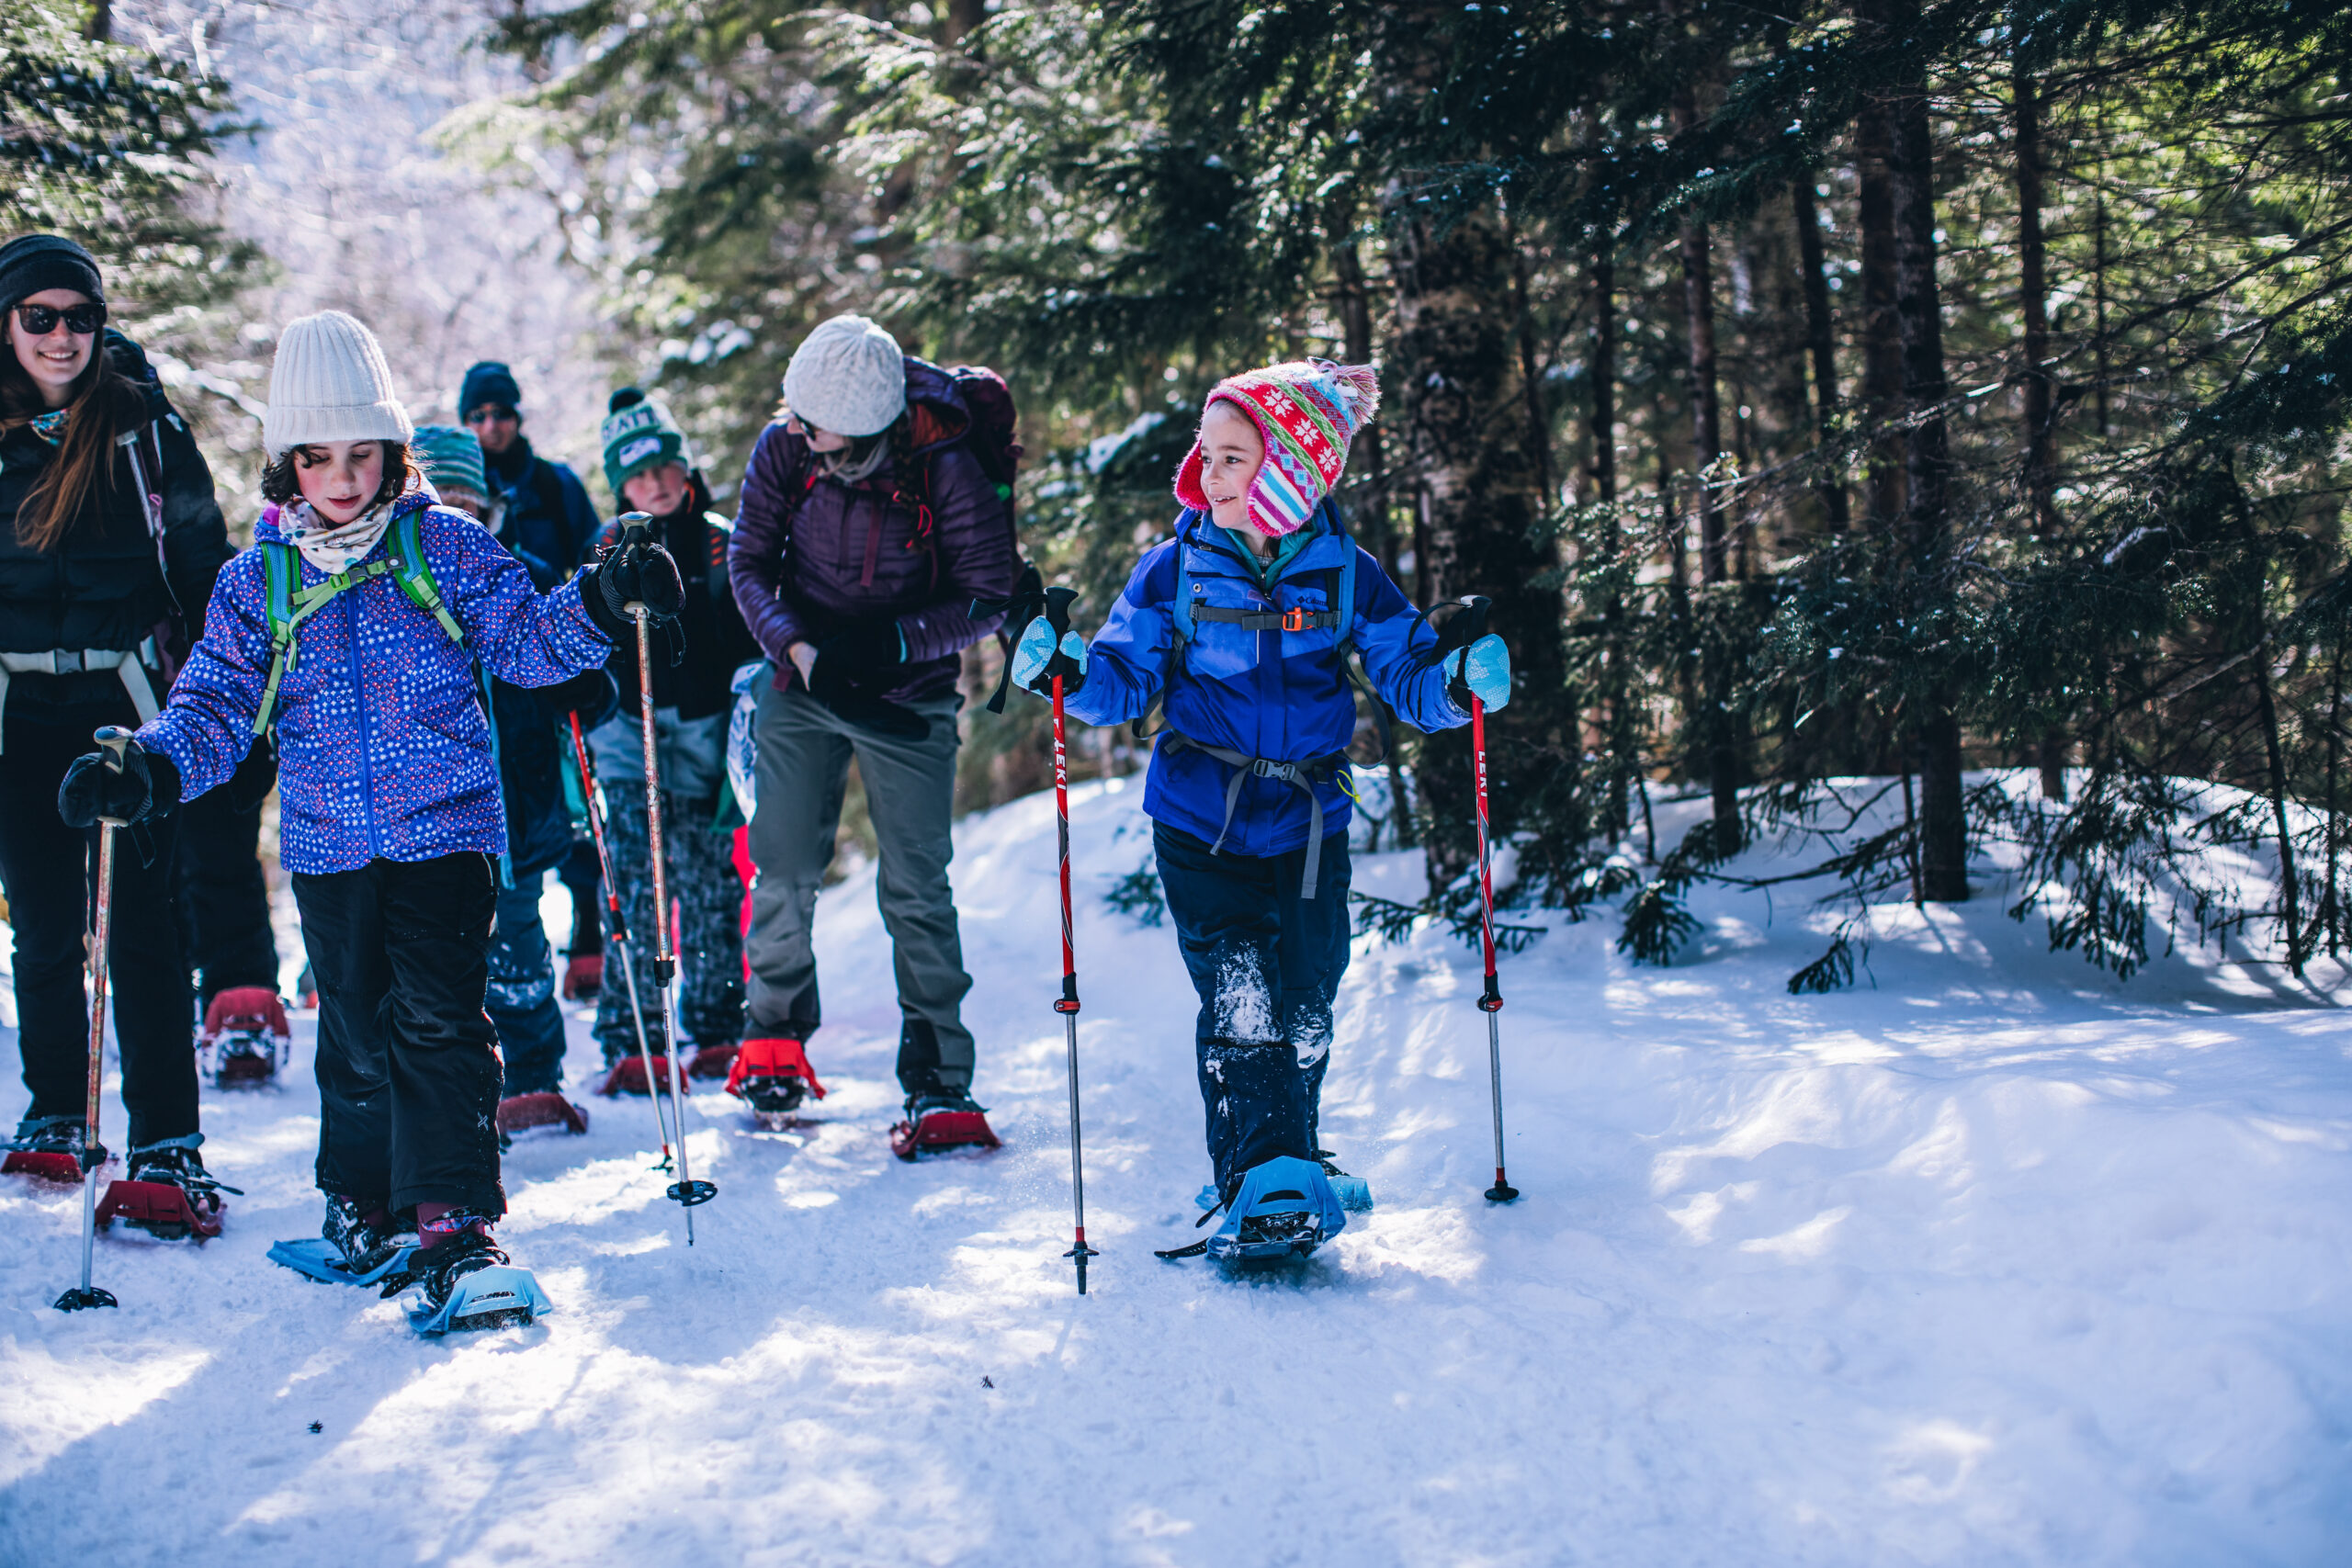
<point x="1267" y="965"/>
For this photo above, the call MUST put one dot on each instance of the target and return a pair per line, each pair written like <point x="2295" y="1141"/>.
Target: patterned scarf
<point x="50" y="426"/>
<point x="330" y="547"/>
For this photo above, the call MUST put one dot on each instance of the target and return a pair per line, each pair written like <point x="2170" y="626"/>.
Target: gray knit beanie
<point x="330" y="383"/>
<point x="848" y="377"/>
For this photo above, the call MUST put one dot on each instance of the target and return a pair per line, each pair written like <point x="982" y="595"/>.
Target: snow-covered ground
<point x="1997" y="1262"/>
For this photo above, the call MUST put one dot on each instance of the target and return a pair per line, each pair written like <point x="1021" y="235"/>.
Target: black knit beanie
<point x="31" y="262"/>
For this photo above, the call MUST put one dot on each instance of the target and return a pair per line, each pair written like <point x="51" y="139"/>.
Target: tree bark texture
<point x="1821" y="341"/>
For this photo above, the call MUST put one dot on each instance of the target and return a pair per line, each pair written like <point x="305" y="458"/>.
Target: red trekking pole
<point x="112" y="740"/>
<point x="1058" y="603"/>
<point x="617" y="926"/>
<point x="1492" y="1003"/>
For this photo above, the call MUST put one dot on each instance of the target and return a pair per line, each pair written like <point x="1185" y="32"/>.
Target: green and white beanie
<point x="452" y="460"/>
<point x="638" y="433"/>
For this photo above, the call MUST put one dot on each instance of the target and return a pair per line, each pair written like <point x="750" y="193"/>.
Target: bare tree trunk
<point x="2290" y="889"/>
<point x="1820" y="340"/>
<point x="2041" y="430"/>
<point x="1706" y="440"/>
<point x="1881" y="330"/>
<point x="1615" y="691"/>
<point x="1926" y="470"/>
<point x="99" y="29"/>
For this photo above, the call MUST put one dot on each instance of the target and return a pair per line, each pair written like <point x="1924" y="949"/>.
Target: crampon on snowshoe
<point x="48" y="1148"/>
<point x="246" y="1039"/>
<point x="941" y="1121"/>
<point x="169" y="1193"/>
<point x="527" y="1112"/>
<point x="468" y="1283"/>
<point x="772" y="1077"/>
<point x="628" y="1075"/>
<point x="1283" y="1211"/>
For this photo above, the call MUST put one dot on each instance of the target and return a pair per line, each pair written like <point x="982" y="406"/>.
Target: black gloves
<point x="633" y="570"/>
<point x="864" y="657"/>
<point x="147" y="786"/>
<point x="591" y="693"/>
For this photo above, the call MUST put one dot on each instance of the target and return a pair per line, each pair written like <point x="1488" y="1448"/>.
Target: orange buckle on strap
<point x="1293" y="620"/>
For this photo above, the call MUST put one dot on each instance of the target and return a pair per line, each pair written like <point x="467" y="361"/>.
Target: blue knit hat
<point x="488" y="382"/>
<point x="452" y="459"/>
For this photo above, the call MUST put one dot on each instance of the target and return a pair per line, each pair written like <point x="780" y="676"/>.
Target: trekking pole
<point x="686" y="1190"/>
<point x="1491" y="1001"/>
<point x="112" y="740"/>
<point x="1058" y="603"/>
<point x="616" y="925"/>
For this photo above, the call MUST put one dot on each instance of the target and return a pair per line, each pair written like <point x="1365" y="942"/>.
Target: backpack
<point x="287" y="604"/>
<point x="988" y="438"/>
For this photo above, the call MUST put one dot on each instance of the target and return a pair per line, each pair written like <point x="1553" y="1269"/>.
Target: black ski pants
<point x="50" y="871"/>
<point x="408" y="1074"/>
<point x="1266" y="964"/>
<point x="224" y="899"/>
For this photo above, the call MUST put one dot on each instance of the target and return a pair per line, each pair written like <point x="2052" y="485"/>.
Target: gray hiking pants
<point x="805" y="752"/>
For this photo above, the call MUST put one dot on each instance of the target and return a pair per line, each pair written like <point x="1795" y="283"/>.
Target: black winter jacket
<point x="102" y="586"/>
<point x="709" y="639"/>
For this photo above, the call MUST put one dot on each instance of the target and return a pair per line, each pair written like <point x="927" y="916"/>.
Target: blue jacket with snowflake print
<point x="383" y="753"/>
<point x="1278" y="694"/>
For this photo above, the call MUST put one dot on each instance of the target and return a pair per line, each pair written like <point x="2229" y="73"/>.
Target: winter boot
<point x="246" y="1039"/>
<point x="363" y="1236"/>
<point x="169" y="1193"/>
<point x="467" y="1279"/>
<point x="1280" y="1212"/>
<point x="772" y="1077"/>
<point x="48" y="1146"/>
<point x="945" y="1117"/>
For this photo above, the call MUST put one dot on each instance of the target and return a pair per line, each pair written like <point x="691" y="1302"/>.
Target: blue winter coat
<point x="383" y="751"/>
<point x="1278" y="694"/>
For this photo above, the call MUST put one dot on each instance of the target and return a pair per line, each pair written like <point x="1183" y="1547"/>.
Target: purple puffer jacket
<point x="811" y="555"/>
<point x="383" y="753"/>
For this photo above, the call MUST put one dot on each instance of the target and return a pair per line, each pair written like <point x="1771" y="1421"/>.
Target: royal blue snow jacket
<point x="1281" y="695"/>
<point x="383" y="751"/>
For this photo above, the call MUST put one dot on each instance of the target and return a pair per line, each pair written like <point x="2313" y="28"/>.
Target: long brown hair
<point x="100" y="405"/>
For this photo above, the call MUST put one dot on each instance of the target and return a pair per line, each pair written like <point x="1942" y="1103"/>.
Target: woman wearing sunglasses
<point x="109" y="541"/>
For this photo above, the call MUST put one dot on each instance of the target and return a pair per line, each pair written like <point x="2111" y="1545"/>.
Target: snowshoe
<point x="169" y="1193"/>
<point x="468" y="1283"/>
<point x="523" y="1112"/>
<point x="948" y="1119"/>
<point x="628" y="1075"/>
<point x="584" y="977"/>
<point x="1283" y="1211"/>
<point x="1354" y="1191"/>
<point x="712" y="1062"/>
<point x="246" y="1039"/>
<point x="350" y="1249"/>
<point x="772" y="1077"/>
<point x="48" y="1148"/>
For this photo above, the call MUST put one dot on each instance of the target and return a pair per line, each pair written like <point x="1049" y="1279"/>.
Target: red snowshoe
<point x="49" y="1148"/>
<point x="772" y="1077"/>
<point x="943" y="1121"/>
<point x="521" y="1112"/>
<point x="584" y="977"/>
<point x="628" y="1075"/>
<point x="246" y="1039"/>
<point x="712" y="1062"/>
<point x="169" y="1193"/>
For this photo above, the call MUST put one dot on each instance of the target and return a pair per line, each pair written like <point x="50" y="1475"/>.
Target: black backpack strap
<point x="1023" y="604"/>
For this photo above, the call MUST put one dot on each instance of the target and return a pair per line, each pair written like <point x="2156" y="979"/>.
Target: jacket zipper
<point x="366" y="741"/>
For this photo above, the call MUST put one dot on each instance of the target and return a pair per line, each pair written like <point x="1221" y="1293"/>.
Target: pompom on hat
<point x="1307" y="411"/>
<point x="329" y="382"/>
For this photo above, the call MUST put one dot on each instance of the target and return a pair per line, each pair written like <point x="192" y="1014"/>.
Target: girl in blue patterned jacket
<point x="353" y="625"/>
<point x="1242" y="622"/>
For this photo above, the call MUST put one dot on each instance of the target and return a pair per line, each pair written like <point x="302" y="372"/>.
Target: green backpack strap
<point x="411" y="570"/>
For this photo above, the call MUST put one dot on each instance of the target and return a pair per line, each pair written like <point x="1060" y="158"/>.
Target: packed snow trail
<point x="1997" y="1262"/>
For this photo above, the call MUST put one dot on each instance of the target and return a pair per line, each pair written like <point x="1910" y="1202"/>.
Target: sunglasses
<point x="490" y="413"/>
<point x="41" y="319"/>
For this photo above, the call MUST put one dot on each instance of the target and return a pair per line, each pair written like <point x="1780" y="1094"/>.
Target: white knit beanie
<point x="330" y="383"/>
<point x="848" y="377"/>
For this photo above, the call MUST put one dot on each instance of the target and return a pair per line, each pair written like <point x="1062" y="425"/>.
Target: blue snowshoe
<point x="1284" y="1210"/>
<point x="347" y="1250"/>
<point x="468" y="1283"/>
<point x="1354" y="1191"/>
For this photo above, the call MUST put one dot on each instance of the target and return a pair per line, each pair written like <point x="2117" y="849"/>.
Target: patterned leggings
<point x="710" y="896"/>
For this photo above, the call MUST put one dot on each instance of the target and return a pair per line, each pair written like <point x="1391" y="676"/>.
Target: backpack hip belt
<point x="1303" y="776"/>
<point x="130" y="663"/>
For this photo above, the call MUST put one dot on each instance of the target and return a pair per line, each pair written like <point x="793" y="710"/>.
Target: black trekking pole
<point x="686" y="1190"/>
<point x="1491" y="1001"/>
<point x="112" y="741"/>
<point x="617" y="926"/>
<point x="1056" y="611"/>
